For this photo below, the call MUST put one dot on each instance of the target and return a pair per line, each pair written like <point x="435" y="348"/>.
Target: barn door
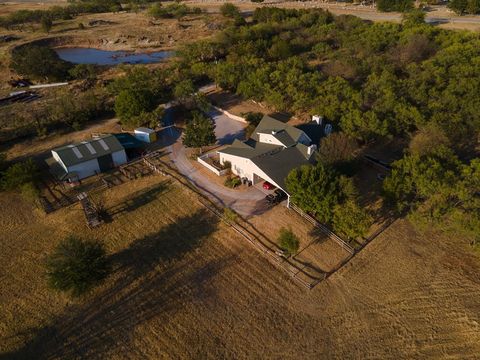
<point x="105" y="162"/>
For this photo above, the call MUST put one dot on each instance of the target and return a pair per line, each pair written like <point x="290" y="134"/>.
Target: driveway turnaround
<point x="245" y="202"/>
<point x="226" y="128"/>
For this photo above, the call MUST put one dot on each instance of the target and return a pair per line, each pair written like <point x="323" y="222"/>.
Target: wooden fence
<point x="154" y="161"/>
<point x="323" y="229"/>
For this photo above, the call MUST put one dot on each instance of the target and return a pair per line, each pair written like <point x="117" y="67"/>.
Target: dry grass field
<point x="186" y="286"/>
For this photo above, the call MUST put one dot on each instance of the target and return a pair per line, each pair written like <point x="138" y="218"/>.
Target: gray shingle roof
<point x="249" y="149"/>
<point x="269" y="124"/>
<point x="278" y="165"/>
<point x="274" y="160"/>
<point x="88" y="150"/>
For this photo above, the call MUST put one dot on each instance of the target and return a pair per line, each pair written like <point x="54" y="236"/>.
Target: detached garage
<point x="78" y="161"/>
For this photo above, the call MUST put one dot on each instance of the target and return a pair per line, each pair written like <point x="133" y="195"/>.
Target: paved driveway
<point x="246" y="202"/>
<point x="227" y="129"/>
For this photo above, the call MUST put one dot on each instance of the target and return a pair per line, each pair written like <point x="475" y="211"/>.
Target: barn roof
<point x="87" y="150"/>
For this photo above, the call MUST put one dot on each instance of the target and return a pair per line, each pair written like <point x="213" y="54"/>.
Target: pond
<point x="105" y="57"/>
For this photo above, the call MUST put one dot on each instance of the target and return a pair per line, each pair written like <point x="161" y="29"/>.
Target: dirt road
<point x="437" y="15"/>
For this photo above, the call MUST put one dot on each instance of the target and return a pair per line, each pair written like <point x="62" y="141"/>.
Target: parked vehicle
<point x="280" y="195"/>
<point x="268" y="186"/>
<point x="277" y="197"/>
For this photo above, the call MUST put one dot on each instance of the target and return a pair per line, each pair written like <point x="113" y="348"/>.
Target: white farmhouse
<point x="78" y="161"/>
<point x="273" y="150"/>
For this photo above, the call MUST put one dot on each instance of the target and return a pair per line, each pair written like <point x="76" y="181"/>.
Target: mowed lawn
<point x="186" y="286"/>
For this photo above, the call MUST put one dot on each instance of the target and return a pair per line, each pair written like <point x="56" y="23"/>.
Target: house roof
<point x="276" y="161"/>
<point x="269" y="124"/>
<point x="313" y="130"/>
<point x="249" y="149"/>
<point x="87" y="150"/>
<point x="278" y="165"/>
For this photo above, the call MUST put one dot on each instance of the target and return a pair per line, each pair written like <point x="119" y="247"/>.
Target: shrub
<point x="46" y="24"/>
<point x="229" y="10"/>
<point x="395" y="5"/>
<point x="288" y="241"/>
<point x="30" y="192"/>
<point x="350" y="220"/>
<point x="19" y="174"/>
<point x="253" y="118"/>
<point x="76" y="266"/>
<point x="229" y="215"/>
<point x="83" y="71"/>
<point x="171" y="11"/>
<point x="232" y="182"/>
<point x="39" y="62"/>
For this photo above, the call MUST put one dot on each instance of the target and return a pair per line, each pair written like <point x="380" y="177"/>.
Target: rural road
<point x="437" y="14"/>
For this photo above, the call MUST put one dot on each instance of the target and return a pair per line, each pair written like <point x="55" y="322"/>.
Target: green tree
<point x="83" y="71"/>
<point x="350" y="220"/>
<point x="458" y="6"/>
<point x="394" y="5"/>
<point x="77" y="265"/>
<point x="338" y="150"/>
<point x="229" y="10"/>
<point x="473" y="7"/>
<point x="417" y="178"/>
<point x="413" y="17"/>
<point x="184" y="92"/>
<point x="288" y="241"/>
<point x="131" y="103"/>
<point x="318" y="189"/>
<point x="46" y="24"/>
<point x="19" y="174"/>
<point x="39" y="62"/>
<point x="149" y="119"/>
<point x="199" y="132"/>
<point x="428" y="139"/>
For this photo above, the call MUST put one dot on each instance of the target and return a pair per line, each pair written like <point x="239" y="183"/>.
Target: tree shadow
<point x="155" y="277"/>
<point x="138" y="199"/>
<point x="281" y="116"/>
<point x="227" y="139"/>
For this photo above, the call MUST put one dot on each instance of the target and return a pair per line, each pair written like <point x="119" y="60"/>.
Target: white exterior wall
<point x="119" y="157"/>
<point x="57" y="159"/>
<point x="240" y="166"/>
<point x="268" y="139"/>
<point x="85" y="169"/>
<point x="245" y="168"/>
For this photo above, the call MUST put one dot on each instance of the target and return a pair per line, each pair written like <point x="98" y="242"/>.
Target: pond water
<point x="105" y="57"/>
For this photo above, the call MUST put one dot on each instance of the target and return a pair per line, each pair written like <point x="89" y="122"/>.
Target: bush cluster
<point x="70" y="11"/>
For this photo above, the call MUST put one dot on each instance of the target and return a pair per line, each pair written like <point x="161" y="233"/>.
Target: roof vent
<point x="318" y="119"/>
<point x="77" y="152"/>
<point x="90" y="148"/>
<point x="103" y="144"/>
